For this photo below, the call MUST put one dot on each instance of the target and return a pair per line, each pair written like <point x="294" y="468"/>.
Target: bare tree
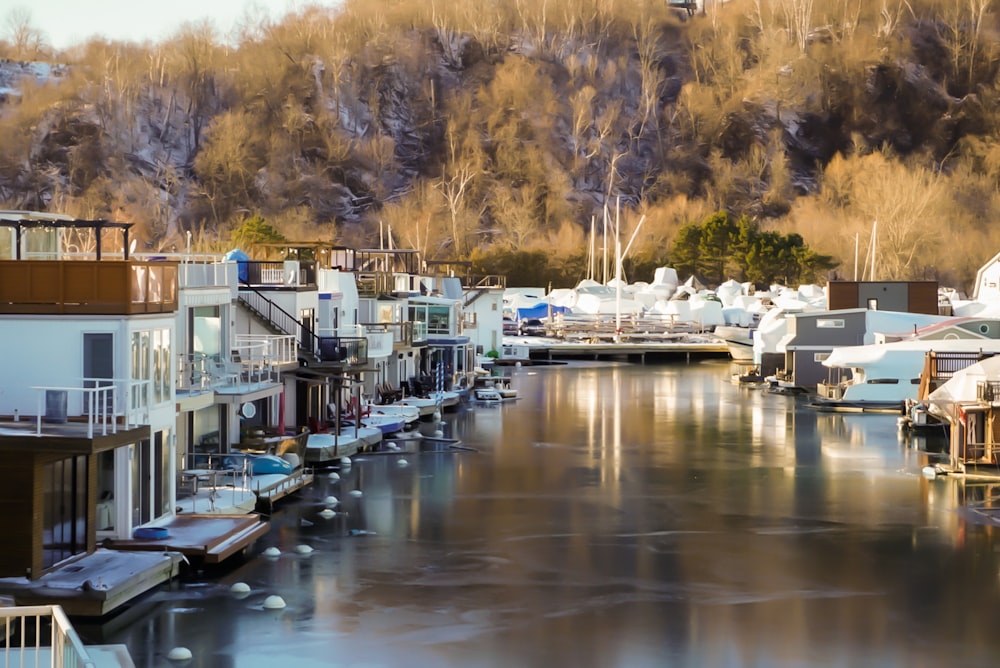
<point x="25" y="40"/>
<point x="463" y="166"/>
<point x="906" y="203"/>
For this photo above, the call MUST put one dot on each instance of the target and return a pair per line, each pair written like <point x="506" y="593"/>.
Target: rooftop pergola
<point x="20" y="221"/>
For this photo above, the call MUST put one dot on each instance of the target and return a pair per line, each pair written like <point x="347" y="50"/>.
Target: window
<point x="64" y="531"/>
<point x="437" y="319"/>
<point x="830" y="323"/>
<point x="819" y="357"/>
<point x="151" y="361"/>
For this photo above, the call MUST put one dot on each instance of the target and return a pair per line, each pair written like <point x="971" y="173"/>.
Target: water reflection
<point x="615" y="515"/>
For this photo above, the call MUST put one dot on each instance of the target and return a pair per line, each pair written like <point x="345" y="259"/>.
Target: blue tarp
<point x="241" y="259"/>
<point x="540" y="311"/>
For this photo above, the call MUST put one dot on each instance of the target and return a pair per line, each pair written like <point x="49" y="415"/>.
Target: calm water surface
<point x="615" y="515"/>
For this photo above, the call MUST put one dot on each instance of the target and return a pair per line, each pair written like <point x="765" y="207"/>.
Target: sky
<point x="68" y="22"/>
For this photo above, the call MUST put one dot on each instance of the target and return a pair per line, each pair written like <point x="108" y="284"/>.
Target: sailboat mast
<point x="618" y="270"/>
<point x="604" y="274"/>
<point x="855" y="257"/>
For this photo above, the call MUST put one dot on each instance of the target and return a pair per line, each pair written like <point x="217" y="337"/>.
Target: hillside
<point x="499" y="131"/>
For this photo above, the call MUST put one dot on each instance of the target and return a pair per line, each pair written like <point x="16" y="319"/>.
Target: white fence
<point x="30" y="643"/>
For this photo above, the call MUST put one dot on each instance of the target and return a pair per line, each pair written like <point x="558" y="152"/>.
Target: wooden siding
<point x="920" y="296"/>
<point x="923" y="297"/>
<point x="841" y="295"/>
<point x="22" y="524"/>
<point x="86" y="287"/>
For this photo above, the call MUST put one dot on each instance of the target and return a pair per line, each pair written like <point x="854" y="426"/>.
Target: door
<point x="98" y="363"/>
<point x="148" y="469"/>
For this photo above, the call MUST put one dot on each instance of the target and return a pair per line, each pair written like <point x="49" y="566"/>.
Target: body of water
<point x="615" y="515"/>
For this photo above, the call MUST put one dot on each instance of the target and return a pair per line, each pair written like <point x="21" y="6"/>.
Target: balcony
<point x="96" y="407"/>
<point x="82" y="287"/>
<point x="278" y="274"/>
<point x="402" y="332"/>
<point x="349" y="351"/>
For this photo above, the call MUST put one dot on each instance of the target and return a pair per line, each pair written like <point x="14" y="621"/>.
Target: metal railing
<point x="988" y="390"/>
<point x="193" y="371"/>
<point x="351" y="351"/>
<point x="284" y="273"/>
<point x="278" y="349"/>
<point x="371" y="284"/>
<point x="29" y="643"/>
<point x="101" y="404"/>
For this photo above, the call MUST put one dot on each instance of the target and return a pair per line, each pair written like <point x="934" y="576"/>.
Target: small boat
<point x="256" y="464"/>
<point x="269" y="464"/>
<point x="487" y="394"/>
<point x="387" y="424"/>
<point x="739" y="341"/>
<point x="425" y="405"/>
<point x="409" y="414"/>
<point x="493" y="388"/>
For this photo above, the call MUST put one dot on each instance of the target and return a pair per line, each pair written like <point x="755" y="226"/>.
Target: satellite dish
<point x="248" y="410"/>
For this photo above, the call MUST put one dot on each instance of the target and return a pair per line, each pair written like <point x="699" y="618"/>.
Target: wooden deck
<point x="96" y="584"/>
<point x="210" y="539"/>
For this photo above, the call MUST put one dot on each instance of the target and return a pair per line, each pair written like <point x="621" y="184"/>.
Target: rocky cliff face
<point x="498" y="129"/>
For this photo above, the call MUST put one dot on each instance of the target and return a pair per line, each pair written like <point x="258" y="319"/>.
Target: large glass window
<point x="151" y="355"/>
<point x="161" y="365"/>
<point x="106" y="491"/>
<point x="437" y="319"/>
<point x="206" y="334"/>
<point x="64" y="530"/>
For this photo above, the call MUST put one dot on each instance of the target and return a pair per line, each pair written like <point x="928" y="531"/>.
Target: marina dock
<point x="639" y="351"/>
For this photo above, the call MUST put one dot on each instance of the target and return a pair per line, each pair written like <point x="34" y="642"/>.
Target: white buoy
<point x="356" y="493"/>
<point x="437" y="416"/>
<point x="392" y="446"/>
<point x="272" y="552"/>
<point x="274" y="602"/>
<point x="240" y="588"/>
<point x="331" y="501"/>
<point x="334" y="475"/>
<point x="929" y="472"/>
<point x="402" y="462"/>
<point x="326" y="513"/>
<point x="303" y="549"/>
<point x="438" y="433"/>
<point x="517" y="365"/>
<point x="345" y="461"/>
<point x="179" y="654"/>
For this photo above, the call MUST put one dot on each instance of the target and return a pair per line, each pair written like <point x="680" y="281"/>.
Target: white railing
<point x="279" y="349"/>
<point x="102" y="404"/>
<point x="28" y="644"/>
<point x="207" y="274"/>
<point x="193" y="372"/>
